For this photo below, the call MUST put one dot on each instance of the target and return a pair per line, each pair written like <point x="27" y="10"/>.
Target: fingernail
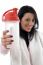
<point x="12" y="40"/>
<point x="11" y="36"/>
<point x="7" y="30"/>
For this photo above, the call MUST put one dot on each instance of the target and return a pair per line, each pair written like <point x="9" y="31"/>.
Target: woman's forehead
<point x="28" y="15"/>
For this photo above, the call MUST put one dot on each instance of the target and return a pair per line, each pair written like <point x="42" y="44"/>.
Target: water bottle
<point x="11" y="21"/>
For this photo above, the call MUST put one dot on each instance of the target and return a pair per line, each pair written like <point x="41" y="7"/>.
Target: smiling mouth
<point x="29" y="27"/>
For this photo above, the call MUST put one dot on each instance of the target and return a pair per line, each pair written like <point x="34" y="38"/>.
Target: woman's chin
<point x="28" y="30"/>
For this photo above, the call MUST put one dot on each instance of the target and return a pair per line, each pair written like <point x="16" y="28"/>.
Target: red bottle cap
<point x="10" y="15"/>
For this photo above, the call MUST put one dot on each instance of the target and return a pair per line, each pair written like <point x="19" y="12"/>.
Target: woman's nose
<point x="30" y="22"/>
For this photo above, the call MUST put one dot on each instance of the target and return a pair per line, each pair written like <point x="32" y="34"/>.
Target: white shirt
<point x="21" y="55"/>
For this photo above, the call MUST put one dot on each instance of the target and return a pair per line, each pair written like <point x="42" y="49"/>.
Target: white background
<point x="9" y="4"/>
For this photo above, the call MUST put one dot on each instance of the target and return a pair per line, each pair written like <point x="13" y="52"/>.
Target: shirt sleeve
<point x="3" y="50"/>
<point x="41" y="38"/>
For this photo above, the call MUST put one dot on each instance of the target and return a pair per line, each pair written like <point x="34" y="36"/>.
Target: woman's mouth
<point x="29" y="26"/>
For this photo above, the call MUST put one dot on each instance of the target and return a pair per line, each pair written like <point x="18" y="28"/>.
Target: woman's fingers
<point x="7" y="36"/>
<point x="4" y="32"/>
<point x="7" y="39"/>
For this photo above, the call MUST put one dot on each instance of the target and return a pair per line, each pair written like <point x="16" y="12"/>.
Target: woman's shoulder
<point x="39" y="33"/>
<point x="40" y="36"/>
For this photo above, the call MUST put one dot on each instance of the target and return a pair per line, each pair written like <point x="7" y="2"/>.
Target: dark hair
<point x="29" y="9"/>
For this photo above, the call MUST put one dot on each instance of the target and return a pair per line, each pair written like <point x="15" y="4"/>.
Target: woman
<point x="30" y="49"/>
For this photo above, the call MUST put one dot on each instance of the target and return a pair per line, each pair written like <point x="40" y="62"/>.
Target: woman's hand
<point x="6" y="39"/>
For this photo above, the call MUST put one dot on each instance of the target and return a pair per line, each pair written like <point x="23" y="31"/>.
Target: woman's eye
<point x="27" y="19"/>
<point x="33" y="20"/>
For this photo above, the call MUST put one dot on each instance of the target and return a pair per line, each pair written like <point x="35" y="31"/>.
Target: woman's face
<point x="27" y="22"/>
